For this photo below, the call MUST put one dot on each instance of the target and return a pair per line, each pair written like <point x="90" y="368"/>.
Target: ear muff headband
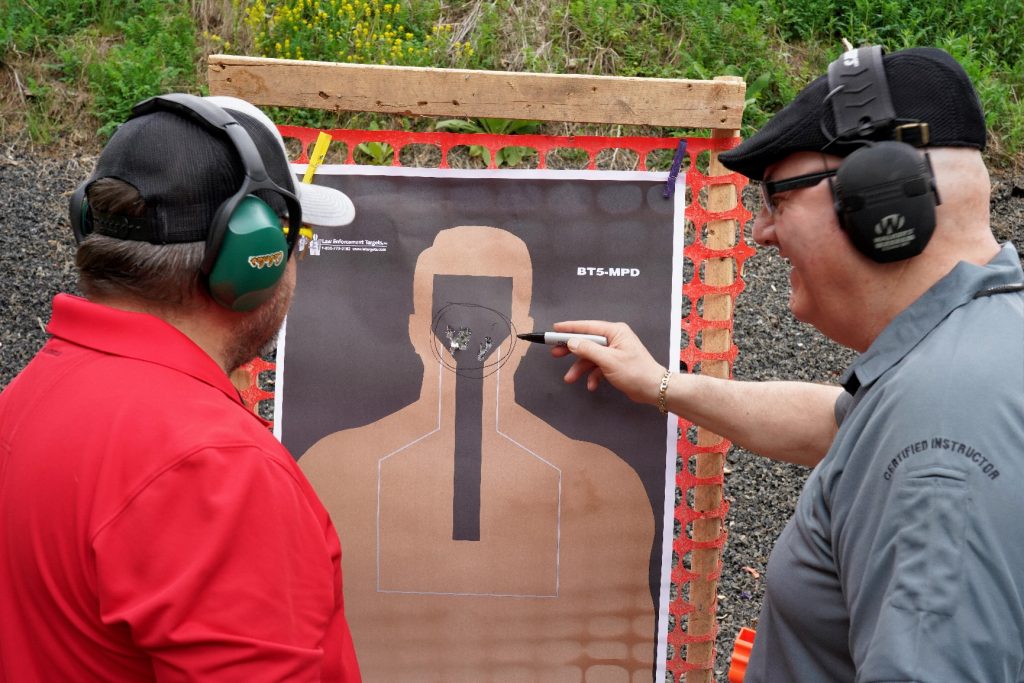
<point x="884" y="192"/>
<point x="217" y="120"/>
<point x="246" y="251"/>
<point x="859" y="92"/>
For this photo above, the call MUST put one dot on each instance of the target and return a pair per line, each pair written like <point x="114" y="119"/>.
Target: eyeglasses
<point x="770" y="188"/>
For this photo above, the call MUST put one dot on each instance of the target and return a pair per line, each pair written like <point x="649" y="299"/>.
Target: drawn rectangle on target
<point x="495" y="522"/>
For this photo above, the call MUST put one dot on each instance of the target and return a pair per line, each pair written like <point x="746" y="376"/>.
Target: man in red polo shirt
<point x="151" y="527"/>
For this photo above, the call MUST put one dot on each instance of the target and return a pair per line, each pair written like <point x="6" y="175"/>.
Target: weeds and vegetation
<point x="72" y="68"/>
<point x="105" y="54"/>
<point x="506" y="156"/>
<point x="985" y="36"/>
<point x="352" y="31"/>
<point x="374" y="153"/>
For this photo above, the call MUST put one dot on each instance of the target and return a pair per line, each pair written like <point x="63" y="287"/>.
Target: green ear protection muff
<point x="884" y="192"/>
<point x="247" y="250"/>
<point x="252" y="257"/>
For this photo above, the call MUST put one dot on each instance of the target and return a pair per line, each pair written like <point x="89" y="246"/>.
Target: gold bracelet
<point x="662" y="391"/>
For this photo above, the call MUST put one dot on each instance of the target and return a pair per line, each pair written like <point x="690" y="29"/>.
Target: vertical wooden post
<point x="720" y="234"/>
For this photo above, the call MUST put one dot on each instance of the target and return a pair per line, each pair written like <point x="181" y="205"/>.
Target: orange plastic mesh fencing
<point x="693" y="324"/>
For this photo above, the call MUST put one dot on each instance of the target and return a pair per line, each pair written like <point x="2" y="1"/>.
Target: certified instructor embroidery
<point x="987" y="467"/>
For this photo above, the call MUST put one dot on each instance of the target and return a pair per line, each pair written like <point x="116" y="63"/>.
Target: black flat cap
<point x="926" y="84"/>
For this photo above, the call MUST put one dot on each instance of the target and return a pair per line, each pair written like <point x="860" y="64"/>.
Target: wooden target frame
<point x="716" y="252"/>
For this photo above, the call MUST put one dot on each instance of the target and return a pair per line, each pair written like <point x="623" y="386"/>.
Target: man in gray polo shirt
<point x="904" y="559"/>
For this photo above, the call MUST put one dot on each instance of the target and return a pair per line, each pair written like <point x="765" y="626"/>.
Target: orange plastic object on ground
<point x="741" y="655"/>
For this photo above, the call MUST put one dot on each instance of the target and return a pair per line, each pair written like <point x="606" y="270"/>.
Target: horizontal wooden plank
<point x="418" y="91"/>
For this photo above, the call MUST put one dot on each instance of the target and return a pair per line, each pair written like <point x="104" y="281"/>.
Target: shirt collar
<point x="135" y="335"/>
<point x="907" y="329"/>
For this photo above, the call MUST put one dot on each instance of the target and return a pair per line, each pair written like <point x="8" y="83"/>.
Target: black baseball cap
<point x="184" y="171"/>
<point x="926" y="85"/>
<point x="178" y="152"/>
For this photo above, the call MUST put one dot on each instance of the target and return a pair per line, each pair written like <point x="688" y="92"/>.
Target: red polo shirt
<point x="151" y="528"/>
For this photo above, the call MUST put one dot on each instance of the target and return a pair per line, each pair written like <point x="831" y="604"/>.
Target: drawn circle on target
<point x="467" y="352"/>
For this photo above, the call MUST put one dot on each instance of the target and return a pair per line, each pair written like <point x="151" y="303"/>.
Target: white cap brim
<point x="322" y="207"/>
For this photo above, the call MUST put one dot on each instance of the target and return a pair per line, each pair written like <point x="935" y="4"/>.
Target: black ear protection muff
<point x="246" y="250"/>
<point x="884" y="192"/>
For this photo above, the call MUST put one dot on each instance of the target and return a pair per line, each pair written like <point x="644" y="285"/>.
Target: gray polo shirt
<point x="904" y="559"/>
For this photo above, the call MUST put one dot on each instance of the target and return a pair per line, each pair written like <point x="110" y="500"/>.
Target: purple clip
<point x="673" y="173"/>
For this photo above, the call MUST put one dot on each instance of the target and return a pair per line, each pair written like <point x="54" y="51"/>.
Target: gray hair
<point x="112" y="268"/>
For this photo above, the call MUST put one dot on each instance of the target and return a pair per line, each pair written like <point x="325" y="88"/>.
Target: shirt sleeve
<point x="220" y="569"/>
<point x="940" y="617"/>
<point x="842" y="406"/>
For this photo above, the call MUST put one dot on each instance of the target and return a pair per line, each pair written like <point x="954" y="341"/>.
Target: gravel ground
<point x="36" y="260"/>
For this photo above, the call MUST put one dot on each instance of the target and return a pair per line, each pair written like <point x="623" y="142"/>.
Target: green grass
<point x="115" y="52"/>
<point x="107" y="54"/>
<point x="986" y="36"/>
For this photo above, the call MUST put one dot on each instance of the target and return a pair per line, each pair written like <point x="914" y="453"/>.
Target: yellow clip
<point x="303" y="232"/>
<point x="323" y="141"/>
